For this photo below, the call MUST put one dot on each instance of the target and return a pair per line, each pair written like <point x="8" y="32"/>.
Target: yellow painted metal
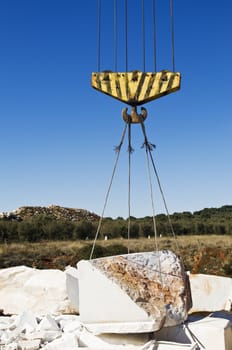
<point x="136" y="88"/>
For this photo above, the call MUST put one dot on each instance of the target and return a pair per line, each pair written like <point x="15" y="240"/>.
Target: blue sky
<point x="57" y="134"/>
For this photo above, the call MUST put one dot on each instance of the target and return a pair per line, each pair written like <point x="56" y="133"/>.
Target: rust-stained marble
<point x="155" y="281"/>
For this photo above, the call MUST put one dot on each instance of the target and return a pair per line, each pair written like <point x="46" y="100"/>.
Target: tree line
<point x="44" y="227"/>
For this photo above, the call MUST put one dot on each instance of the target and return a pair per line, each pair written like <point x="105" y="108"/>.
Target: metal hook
<point x="134" y="117"/>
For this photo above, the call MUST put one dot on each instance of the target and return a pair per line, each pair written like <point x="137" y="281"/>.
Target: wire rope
<point x="149" y="147"/>
<point x="172" y="34"/>
<point x="99" y="35"/>
<point x="117" y="149"/>
<point x="115" y="36"/>
<point x="130" y="150"/>
<point x="154" y="34"/>
<point x="126" y="34"/>
<point x="143" y="38"/>
<point x="163" y="197"/>
<point x="152" y="198"/>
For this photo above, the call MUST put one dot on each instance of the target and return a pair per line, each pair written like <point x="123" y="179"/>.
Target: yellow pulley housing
<point x="136" y="88"/>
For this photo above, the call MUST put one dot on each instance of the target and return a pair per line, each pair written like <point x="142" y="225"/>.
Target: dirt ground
<point x="200" y="254"/>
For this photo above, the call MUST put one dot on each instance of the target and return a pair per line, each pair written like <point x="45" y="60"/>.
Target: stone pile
<point x="28" y="332"/>
<point x="130" y="302"/>
<point x="55" y="211"/>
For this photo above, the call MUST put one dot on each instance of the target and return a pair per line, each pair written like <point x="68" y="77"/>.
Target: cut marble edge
<point x="122" y="327"/>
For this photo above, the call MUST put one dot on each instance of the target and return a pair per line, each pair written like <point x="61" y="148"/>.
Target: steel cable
<point x="143" y="38"/>
<point x="154" y="34"/>
<point x="115" y="36"/>
<point x="117" y="149"/>
<point x="126" y="34"/>
<point x="149" y="147"/>
<point x="172" y="34"/>
<point x="130" y="151"/>
<point x="99" y="35"/>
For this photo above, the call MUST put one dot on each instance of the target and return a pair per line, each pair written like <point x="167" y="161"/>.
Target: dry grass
<point x="200" y="254"/>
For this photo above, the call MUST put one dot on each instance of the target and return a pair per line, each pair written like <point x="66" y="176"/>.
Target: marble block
<point x="139" y="292"/>
<point x="40" y="291"/>
<point x="72" y="287"/>
<point x="210" y="293"/>
<point x="213" y="332"/>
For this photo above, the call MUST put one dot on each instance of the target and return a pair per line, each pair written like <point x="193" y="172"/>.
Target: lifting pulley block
<point x="134" y="117"/>
<point x="136" y="88"/>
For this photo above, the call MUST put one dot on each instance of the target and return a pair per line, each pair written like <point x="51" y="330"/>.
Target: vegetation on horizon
<point x="42" y="227"/>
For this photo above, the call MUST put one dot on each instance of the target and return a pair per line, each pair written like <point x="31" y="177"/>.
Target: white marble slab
<point x="40" y="291"/>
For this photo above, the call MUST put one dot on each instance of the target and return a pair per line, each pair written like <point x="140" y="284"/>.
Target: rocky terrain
<point x="54" y="310"/>
<point x="55" y="211"/>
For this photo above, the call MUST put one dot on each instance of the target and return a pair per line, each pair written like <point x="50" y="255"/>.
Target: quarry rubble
<point x="115" y="303"/>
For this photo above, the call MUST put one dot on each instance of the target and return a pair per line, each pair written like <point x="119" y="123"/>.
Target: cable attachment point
<point x="148" y="145"/>
<point x="134" y="117"/>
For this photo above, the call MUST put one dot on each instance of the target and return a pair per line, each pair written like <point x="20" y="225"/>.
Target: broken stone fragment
<point x="68" y="342"/>
<point x="48" y="323"/>
<point x="72" y="286"/>
<point x="29" y="344"/>
<point x="139" y="292"/>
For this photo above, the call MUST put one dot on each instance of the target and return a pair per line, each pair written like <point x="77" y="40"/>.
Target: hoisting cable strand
<point x="172" y="34"/>
<point x="154" y="33"/>
<point x="99" y="35"/>
<point x="115" y="36"/>
<point x="117" y="149"/>
<point x="130" y="151"/>
<point x="149" y="147"/>
<point x="143" y="38"/>
<point x="126" y="35"/>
